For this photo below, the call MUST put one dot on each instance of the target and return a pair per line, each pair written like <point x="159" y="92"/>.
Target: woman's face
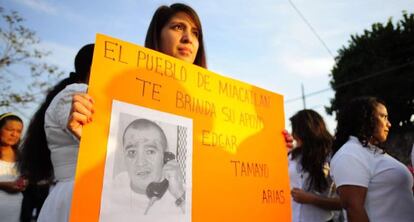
<point x="10" y="132"/>
<point x="179" y="38"/>
<point x="383" y="125"/>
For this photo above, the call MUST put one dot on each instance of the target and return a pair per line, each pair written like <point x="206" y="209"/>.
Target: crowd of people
<point x="348" y="176"/>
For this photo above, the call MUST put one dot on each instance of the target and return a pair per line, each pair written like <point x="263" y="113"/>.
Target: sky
<point x="263" y="42"/>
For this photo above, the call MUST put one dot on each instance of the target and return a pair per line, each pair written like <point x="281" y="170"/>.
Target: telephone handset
<point x="155" y="190"/>
<point x="168" y="156"/>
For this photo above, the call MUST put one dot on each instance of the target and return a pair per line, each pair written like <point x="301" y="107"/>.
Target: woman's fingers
<point x="81" y="113"/>
<point x="83" y="104"/>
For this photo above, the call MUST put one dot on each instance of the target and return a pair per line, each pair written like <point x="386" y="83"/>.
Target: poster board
<point x="235" y="163"/>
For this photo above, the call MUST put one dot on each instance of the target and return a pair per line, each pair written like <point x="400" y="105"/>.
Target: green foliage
<point x="23" y="74"/>
<point x="380" y="63"/>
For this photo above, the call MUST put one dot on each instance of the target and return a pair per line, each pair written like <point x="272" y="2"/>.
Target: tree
<point x="379" y="63"/>
<point x="23" y="74"/>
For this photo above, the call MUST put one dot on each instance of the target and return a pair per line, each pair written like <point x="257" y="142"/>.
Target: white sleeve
<point x="57" y="114"/>
<point x="347" y="169"/>
<point x="61" y="110"/>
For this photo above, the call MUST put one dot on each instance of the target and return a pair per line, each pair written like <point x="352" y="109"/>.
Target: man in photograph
<point x="153" y="172"/>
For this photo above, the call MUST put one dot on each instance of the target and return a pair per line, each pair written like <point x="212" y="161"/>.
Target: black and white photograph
<point x="148" y="166"/>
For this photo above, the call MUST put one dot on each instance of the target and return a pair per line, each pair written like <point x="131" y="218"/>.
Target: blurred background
<point x="317" y="54"/>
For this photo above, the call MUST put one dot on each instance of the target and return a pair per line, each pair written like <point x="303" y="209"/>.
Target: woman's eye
<point x="385" y="117"/>
<point x="196" y="33"/>
<point x="178" y="27"/>
<point x="150" y="152"/>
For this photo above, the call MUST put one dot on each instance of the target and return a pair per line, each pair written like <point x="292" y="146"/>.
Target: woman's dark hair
<point x="357" y="118"/>
<point x="162" y="16"/>
<point x="3" y="120"/>
<point x="35" y="163"/>
<point x="315" y="146"/>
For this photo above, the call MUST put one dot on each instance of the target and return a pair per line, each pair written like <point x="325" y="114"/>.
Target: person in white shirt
<point x="372" y="185"/>
<point x="11" y="183"/>
<point x="174" y="30"/>
<point x="49" y="150"/>
<point x="313" y="198"/>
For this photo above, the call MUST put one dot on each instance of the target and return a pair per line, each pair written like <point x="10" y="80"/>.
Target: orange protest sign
<point x="173" y="141"/>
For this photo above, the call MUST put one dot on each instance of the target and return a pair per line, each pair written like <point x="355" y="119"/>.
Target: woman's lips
<point x="184" y="50"/>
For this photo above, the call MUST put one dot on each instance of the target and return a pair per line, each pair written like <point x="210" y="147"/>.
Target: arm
<point x="353" y="199"/>
<point x="9" y="186"/>
<point x="80" y="113"/>
<point x="327" y="203"/>
<point x="13" y="186"/>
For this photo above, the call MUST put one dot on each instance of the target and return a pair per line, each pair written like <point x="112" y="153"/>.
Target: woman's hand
<point x="327" y="203"/>
<point x="81" y="113"/>
<point x="14" y="186"/>
<point x="302" y="196"/>
<point x="288" y="139"/>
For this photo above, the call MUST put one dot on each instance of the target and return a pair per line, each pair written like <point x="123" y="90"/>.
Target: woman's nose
<point x="14" y="133"/>
<point x="186" y="37"/>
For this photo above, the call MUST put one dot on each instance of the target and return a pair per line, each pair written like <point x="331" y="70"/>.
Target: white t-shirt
<point x="10" y="203"/>
<point x="389" y="196"/>
<point x="305" y="212"/>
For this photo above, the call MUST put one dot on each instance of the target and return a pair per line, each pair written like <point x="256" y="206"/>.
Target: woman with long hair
<point x="372" y="185"/>
<point x="11" y="184"/>
<point x="174" y="30"/>
<point x="39" y="156"/>
<point x="312" y="187"/>
<point x="36" y="164"/>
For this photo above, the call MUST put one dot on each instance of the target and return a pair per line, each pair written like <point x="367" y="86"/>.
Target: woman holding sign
<point x="174" y="30"/>
<point x="312" y="187"/>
